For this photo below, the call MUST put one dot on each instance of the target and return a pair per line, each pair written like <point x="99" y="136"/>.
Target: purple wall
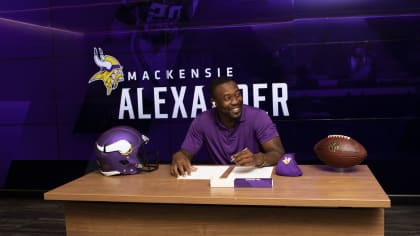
<point x="351" y="67"/>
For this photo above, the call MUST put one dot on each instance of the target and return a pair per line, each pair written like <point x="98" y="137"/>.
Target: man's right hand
<point x="181" y="164"/>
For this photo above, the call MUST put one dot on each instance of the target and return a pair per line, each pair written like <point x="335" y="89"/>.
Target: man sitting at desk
<point x="231" y="131"/>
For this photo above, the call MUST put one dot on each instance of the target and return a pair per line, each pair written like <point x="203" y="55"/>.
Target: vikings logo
<point x="334" y="146"/>
<point x="286" y="160"/>
<point x="111" y="71"/>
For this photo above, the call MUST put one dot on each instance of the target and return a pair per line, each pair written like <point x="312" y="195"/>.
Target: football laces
<point x="338" y="136"/>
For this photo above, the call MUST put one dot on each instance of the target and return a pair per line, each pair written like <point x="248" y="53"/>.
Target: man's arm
<point x="181" y="163"/>
<point x="272" y="151"/>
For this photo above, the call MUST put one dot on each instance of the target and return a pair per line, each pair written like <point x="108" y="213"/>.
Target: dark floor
<point x="32" y="216"/>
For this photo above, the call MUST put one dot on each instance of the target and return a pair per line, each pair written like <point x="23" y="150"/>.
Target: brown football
<point x="340" y="151"/>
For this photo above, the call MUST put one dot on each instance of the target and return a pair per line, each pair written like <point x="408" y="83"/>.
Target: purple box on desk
<point x="253" y="182"/>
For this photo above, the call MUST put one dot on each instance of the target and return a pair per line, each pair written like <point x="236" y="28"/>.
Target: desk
<point x="321" y="202"/>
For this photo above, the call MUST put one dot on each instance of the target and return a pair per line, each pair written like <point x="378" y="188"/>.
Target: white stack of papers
<point x="206" y="172"/>
<point x="212" y="172"/>
<point x="250" y="172"/>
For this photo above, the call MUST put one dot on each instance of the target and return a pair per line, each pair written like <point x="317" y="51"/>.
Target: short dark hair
<point x="216" y="82"/>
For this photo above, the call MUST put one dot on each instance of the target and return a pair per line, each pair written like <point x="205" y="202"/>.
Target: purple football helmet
<point x="117" y="151"/>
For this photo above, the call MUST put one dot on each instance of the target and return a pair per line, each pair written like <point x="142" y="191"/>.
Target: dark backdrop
<point x="350" y="67"/>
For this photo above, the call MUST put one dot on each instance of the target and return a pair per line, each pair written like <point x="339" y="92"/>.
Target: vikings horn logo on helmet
<point x="119" y="151"/>
<point x="110" y="70"/>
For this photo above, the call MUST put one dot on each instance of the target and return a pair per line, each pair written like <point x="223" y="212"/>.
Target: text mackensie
<point x="193" y="73"/>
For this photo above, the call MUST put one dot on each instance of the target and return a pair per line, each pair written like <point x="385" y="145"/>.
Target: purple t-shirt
<point x="255" y="128"/>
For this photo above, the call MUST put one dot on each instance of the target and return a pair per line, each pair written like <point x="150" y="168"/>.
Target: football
<point x="340" y="151"/>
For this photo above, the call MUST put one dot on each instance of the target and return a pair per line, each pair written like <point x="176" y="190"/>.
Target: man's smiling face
<point x="228" y="100"/>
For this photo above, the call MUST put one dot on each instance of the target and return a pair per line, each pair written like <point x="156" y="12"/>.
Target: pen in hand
<point x="232" y="158"/>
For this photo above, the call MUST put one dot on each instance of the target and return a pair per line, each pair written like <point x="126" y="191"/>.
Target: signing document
<point x="214" y="171"/>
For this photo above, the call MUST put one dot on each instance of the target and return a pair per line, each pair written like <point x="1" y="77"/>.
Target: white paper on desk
<point x="248" y="172"/>
<point x="206" y="172"/>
